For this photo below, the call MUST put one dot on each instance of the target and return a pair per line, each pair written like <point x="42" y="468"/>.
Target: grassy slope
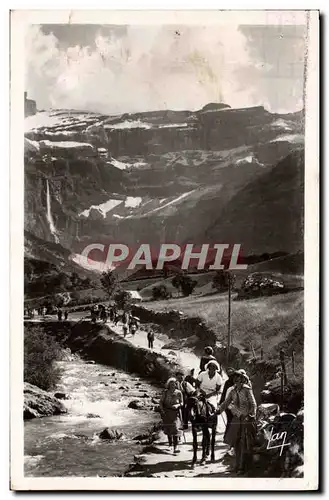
<point x="268" y="321"/>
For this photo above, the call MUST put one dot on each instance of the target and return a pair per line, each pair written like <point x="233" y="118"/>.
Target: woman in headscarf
<point x="242" y="431"/>
<point x="170" y="405"/>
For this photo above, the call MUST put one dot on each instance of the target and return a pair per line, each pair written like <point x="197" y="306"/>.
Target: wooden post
<point x="283" y="373"/>
<point x="293" y="361"/>
<point x="229" y="319"/>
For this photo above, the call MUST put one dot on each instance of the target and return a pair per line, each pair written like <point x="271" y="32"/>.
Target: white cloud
<point x="147" y="68"/>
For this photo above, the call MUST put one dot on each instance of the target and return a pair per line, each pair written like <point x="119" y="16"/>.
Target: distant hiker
<point x="133" y="324"/>
<point x="66" y="315"/>
<point x="242" y="431"/>
<point x="187" y="390"/>
<point x="125" y="318"/>
<point x="170" y="404"/>
<point x="125" y="330"/>
<point x="103" y="314"/>
<point x="150" y="339"/>
<point x="94" y="314"/>
<point x="44" y="310"/>
<point x="111" y="314"/>
<point x="59" y="314"/>
<point x="210" y="382"/>
<point x="208" y="356"/>
<point x="115" y="317"/>
<point x="226" y="390"/>
<point x="133" y="327"/>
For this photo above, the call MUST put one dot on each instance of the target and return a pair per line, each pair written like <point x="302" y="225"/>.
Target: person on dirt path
<point x="229" y="384"/>
<point x="59" y="314"/>
<point x="170" y="404"/>
<point x="103" y="314"/>
<point x="133" y="328"/>
<point x="111" y="314"/>
<point x="125" y="330"/>
<point x="94" y="314"/>
<point x="187" y="390"/>
<point x="66" y="315"/>
<point x="242" y="430"/>
<point x="150" y="339"/>
<point x="210" y="382"/>
<point x="116" y="317"/>
<point x="208" y="356"/>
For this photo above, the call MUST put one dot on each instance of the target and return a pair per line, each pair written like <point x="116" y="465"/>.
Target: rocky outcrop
<point x="39" y="403"/>
<point x="111" y="434"/>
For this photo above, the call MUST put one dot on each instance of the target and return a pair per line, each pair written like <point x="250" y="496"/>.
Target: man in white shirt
<point x="210" y="382"/>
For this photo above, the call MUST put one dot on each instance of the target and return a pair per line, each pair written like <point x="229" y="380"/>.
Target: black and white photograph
<point x="164" y="226"/>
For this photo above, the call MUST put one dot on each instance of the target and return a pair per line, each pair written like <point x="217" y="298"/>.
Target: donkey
<point x="202" y="416"/>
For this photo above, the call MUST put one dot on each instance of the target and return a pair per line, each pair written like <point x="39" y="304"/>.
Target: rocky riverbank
<point x="39" y="403"/>
<point x="103" y="344"/>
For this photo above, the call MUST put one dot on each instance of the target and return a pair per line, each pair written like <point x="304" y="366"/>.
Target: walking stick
<point x="181" y="419"/>
<point x="225" y="423"/>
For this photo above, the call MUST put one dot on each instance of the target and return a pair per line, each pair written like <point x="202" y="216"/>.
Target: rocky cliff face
<point x="165" y="176"/>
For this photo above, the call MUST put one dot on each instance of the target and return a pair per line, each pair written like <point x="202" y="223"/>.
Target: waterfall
<point x="50" y="217"/>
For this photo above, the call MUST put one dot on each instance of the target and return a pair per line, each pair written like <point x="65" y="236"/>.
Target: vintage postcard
<point x="164" y="250"/>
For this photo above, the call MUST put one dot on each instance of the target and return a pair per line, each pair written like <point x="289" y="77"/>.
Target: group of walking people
<point x="234" y="397"/>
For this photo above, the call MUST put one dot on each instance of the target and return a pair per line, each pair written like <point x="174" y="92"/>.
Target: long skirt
<point x="242" y="435"/>
<point x="171" y="422"/>
<point x="229" y="418"/>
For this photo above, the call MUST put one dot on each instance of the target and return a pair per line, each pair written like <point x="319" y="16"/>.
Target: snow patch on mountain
<point x="280" y="123"/>
<point x="294" y="138"/>
<point x="103" y="208"/>
<point x="128" y="124"/>
<point x="133" y="201"/>
<point x="175" y="200"/>
<point x="65" y="144"/>
<point x="246" y="159"/>
<point x="123" y="165"/>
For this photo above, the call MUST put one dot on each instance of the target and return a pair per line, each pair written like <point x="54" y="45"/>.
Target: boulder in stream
<point x="39" y="403"/>
<point x="111" y="434"/>
<point x="136" y="404"/>
<point x="61" y="395"/>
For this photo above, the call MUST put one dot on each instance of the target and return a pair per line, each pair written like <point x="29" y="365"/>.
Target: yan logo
<point x="279" y="438"/>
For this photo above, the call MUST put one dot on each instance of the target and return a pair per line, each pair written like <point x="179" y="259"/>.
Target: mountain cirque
<point x="209" y="176"/>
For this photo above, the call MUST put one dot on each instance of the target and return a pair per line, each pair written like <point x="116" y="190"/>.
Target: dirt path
<point x="158" y="459"/>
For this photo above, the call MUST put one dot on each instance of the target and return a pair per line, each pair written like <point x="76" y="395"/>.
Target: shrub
<point x="123" y="300"/>
<point x="221" y="280"/>
<point x="184" y="283"/>
<point x="160" y="292"/>
<point x="40" y="353"/>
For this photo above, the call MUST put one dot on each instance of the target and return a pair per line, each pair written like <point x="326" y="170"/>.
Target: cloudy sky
<point x="115" y="69"/>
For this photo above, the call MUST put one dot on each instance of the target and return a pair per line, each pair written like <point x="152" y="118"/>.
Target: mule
<point x="203" y="417"/>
